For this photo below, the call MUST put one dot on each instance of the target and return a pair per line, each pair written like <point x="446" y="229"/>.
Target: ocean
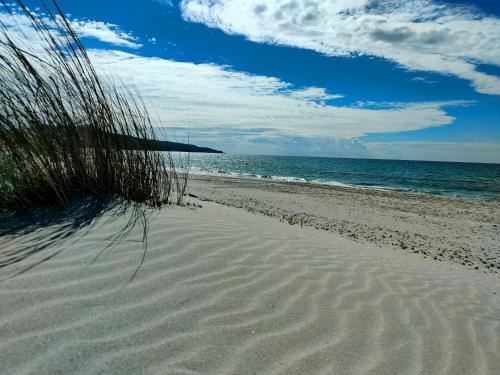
<point x="464" y="180"/>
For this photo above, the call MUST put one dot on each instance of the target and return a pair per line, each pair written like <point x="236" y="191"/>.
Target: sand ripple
<point x="222" y="291"/>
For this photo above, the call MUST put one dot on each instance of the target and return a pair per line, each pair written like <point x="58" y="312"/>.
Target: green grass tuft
<point x="62" y="125"/>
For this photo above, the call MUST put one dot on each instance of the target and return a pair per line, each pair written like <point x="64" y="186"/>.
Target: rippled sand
<point x="224" y="291"/>
<point x="465" y="232"/>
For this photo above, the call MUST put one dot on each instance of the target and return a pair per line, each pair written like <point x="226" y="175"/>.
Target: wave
<point x="198" y="171"/>
<point x="456" y="186"/>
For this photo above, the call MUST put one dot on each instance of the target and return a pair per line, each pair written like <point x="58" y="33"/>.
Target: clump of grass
<point x="293" y="219"/>
<point x="66" y="132"/>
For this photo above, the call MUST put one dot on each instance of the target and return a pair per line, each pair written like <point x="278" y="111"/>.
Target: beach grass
<point x="65" y="129"/>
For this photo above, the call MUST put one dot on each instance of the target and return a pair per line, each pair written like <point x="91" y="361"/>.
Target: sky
<point x="397" y="79"/>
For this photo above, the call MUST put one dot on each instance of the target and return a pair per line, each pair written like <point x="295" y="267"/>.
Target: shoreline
<point x="338" y="184"/>
<point x="442" y="228"/>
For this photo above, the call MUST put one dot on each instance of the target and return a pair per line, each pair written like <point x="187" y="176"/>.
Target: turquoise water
<point x="466" y="180"/>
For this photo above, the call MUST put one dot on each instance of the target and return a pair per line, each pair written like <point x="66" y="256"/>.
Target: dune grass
<point x="60" y="125"/>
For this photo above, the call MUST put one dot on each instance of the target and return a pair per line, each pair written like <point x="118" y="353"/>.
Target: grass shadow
<point x="33" y="233"/>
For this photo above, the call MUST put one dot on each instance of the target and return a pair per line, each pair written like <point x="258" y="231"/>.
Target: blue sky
<point x="413" y="79"/>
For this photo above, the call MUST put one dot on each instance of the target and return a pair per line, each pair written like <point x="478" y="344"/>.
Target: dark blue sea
<point x="465" y="180"/>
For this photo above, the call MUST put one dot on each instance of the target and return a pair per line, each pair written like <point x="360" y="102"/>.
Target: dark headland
<point x="133" y="143"/>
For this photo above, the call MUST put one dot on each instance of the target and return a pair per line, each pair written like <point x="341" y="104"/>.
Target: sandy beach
<point x="220" y="290"/>
<point x="243" y="187"/>
<point x="466" y="232"/>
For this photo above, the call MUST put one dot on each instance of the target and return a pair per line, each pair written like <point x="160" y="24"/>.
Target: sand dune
<point x="223" y="291"/>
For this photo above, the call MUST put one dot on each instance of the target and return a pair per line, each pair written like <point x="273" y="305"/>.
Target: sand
<point x="466" y="232"/>
<point x="220" y="290"/>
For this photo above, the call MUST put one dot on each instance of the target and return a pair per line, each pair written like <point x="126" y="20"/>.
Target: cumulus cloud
<point x="205" y="95"/>
<point x="306" y="146"/>
<point x="268" y="141"/>
<point x="422" y="35"/>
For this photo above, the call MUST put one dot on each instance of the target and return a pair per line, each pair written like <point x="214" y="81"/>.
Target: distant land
<point x="129" y="142"/>
<point x="133" y="143"/>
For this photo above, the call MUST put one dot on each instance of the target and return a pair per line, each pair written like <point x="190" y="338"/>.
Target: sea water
<point x="465" y="180"/>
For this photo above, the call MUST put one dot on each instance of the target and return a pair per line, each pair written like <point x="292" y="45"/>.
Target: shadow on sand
<point x="31" y="234"/>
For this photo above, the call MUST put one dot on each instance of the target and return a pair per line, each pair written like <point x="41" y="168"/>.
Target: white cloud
<point x="422" y="35"/>
<point x="20" y="26"/>
<point x="203" y="95"/>
<point x="167" y="3"/>
<point x="268" y="141"/>
<point x="415" y="105"/>
<point x="443" y="151"/>
<point x="105" y="32"/>
<point x="256" y="112"/>
<point x="305" y="146"/>
<point x="314" y="94"/>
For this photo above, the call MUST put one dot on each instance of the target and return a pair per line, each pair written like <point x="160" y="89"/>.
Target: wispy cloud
<point x="421" y="35"/>
<point x="205" y="95"/>
<point x="259" y="113"/>
<point x="318" y="94"/>
<point x="105" y="32"/>
<point x="167" y="3"/>
<point x="414" y="105"/>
